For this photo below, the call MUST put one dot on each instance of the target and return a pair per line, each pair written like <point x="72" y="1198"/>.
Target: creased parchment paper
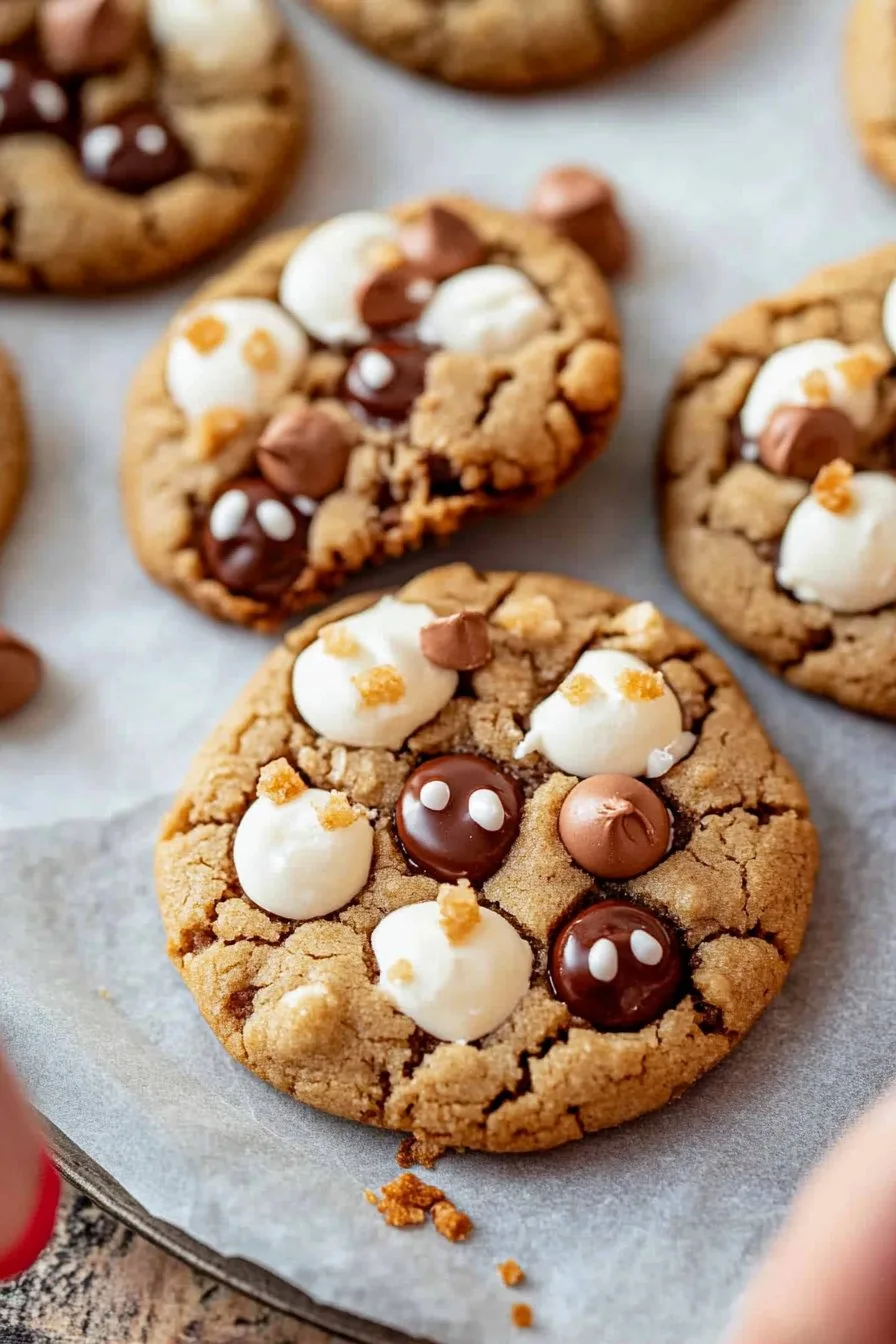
<point x="736" y="165"/>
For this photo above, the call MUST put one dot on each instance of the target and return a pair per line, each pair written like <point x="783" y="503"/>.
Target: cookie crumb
<point x="260" y="351"/>
<point x="459" y="912"/>
<point x="861" y="369"/>
<point x="415" y="1151"/>
<point x="521" y="1315"/>
<point x="579" y="689"/>
<point x="371" y="1197"/>
<point x="338" y="642"/>
<point x="206" y="333"/>
<point x="279" y="782"/>
<point x="529" y="618"/>
<point x="511" y="1273"/>
<point x="634" y="684"/>
<point x="832" y="487"/>
<point x="405" y="1200"/>
<point x="401" y="972"/>
<point x="641" y="618"/>
<point x="383" y="685"/>
<point x="450" y="1222"/>
<point x="338" y="813"/>
<point x="816" y="388"/>
<point x="216" y="429"/>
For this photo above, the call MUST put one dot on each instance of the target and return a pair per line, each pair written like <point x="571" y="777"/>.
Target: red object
<point x="37" y="1234"/>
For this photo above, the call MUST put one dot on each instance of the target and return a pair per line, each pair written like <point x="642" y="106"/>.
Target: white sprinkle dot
<point x="376" y="369"/>
<point x="420" y="290"/>
<point x="435" y="795"/>
<point x="99" y="145"/>
<point x="645" y="948"/>
<point x="275" y="520"/>
<point x="228" y="515"/>
<point x="486" y="809"/>
<point x="7" y="74"/>
<point x="603" y="960"/>
<point x="49" y="100"/>
<point x="305" y="505"/>
<point x="749" y="451"/>
<point x="151" y="140"/>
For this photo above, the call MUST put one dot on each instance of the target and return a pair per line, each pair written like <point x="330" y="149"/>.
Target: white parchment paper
<point x="736" y="165"/>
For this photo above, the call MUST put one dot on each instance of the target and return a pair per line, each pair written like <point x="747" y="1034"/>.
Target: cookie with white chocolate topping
<point x="779" y="481"/>
<point x="485" y="376"/>
<point x="447" y="960"/>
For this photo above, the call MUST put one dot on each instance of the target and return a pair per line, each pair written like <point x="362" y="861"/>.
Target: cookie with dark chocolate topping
<point x="492" y="386"/>
<point x="367" y="884"/>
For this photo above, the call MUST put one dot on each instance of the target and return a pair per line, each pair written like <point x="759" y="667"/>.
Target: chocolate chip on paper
<point x="581" y="205"/>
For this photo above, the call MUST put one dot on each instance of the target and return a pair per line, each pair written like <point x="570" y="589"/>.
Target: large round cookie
<point x="421" y="367"/>
<point x="13" y="445"/>
<point x="138" y="135"/>
<point x="779" y="493"/>
<point x="516" y="44"/>
<point x="575" y="994"/>
<point x="871" y="82"/>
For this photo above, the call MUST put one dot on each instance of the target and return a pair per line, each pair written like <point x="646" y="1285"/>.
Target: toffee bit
<point x="206" y="333"/>
<point x="579" y="689"/>
<point x="401" y="972"/>
<point x="216" y="430"/>
<point x="521" y="1315"/>
<point x="279" y="782"/>
<point x="816" y="388"/>
<point x="260" y="351"/>
<point x="382" y="685"/>
<point x="832" y="487"/>
<point x="511" y="1274"/>
<point x="338" y="813"/>
<point x="338" y="642"/>
<point x="640" y="686"/>
<point x="459" y="912"/>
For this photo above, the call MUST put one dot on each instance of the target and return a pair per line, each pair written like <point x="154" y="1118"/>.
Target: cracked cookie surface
<point x="13" y="445"/>
<point x="516" y="44"/>
<point x="733" y="519"/>
<point x="138" y="135"/>
<point x="297" y="1000"/>
<point x="475" y="366"/>
<point x="870" y="67"/>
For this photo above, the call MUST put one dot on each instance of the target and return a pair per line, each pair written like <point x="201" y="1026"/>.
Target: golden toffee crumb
<point x="338" y="813"/>
<point x="459" y="912"/>
<point x="861" y="369"/>
<point x="279" y="782"/>
<point x="371" y="1197"/>
<point x="260" y="351"/>
<point x="382" y="685"/>
<point x="511" y="1273"/>
<point x="816" y="388"/>
<point x="521" y="1315"/>
<point x="384" y="256"/>
<point x="216" y="429"/>
<point x="637" y="685"/>
<point x="579" y="689"/>
<point x="450" y="1222"/>
<point x="339" y="642"/>
<point x="832" y="486"/>
<point x="401" y="972"/>
<point x="530" y="618"/>
<point x="205" y="334"/>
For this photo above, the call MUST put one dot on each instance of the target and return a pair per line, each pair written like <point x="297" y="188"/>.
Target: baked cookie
<point x="349" y="390"/>
<point x="516" y="44"/>
<point x="500" y="860"/>
<point x="13" y="445"/>
<point x="137" y="135"/>
<point x="778" y="480"/>
<point x="871" y="82"/>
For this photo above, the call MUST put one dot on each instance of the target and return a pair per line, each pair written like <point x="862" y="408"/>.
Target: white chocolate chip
<point x="321" y="280"/>
<point x="645" y="948"/>
<point x="228" y="515"/>
<point x="375" y="369"/>
<point x="603" y="960"/>
<point x="275" y="520"/>
<point x="435" y="795"/>
<point x="98" y="147"/>
<point x="488" y="310"/>
<point x="217" y="35"/>
<point x="486" y="809"/>
<point x="151" y="140"/>
<point x="782" y="381"/>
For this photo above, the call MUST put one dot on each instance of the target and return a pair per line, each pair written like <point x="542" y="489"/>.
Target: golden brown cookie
<point x="13" y="445"/>
<point x="779" y="482"/>
<point x="138" y="135"/>
<point x="348" y="391"/>
<point x="871" y="82"/>
<point x="516" y="44"/>
<point x="396" y="932"/>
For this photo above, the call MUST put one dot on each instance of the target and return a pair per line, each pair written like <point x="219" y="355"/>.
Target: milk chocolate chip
<point x="581" y="205"/>
<point x="21" y="673"/>
<point x="303" y="451"/>
<point x="614" y="826"/>
<point x="800" y="440"/>
<point x="461" y="642"/>
<point x="254" y="540"/>
<point x="441" y="243"/>
<point x="617" y="966"/>
<point x="394" y="297"/>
